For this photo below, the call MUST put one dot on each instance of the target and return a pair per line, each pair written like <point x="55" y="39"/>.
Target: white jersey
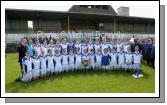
<point x="78" y="57"/>
<point x="114" y="44"/>
<point x="26" y="62"/>
<point x="119" y="44"/>
<point x="97" y="46"/>
<point x="50" y="61"/>
<point x="92" y="58"/>
<point x="43" y="61"/>
<point x="91" y="46"/>
<point x="64" y="46"/>
<point x="71" y="58"/>
<point x="58" y="47"/>
<point x="113" y="57"/>
<point x="98" y="57"/>
<point x="45" y="49"/>
<point x="77" y="44"/>
<point x="85" y="56"/>
<point x="65" y="59"/>
<point x="78" y="61"/>
<point x="37" y="48"/>
<point x="110" y="45"/>
<point x="36" y="63"/>
<point x="126" y="45"/>
<point x="52" y="48"/>
<point x="57" y="58"/>
<point x="104" y="46"/>
<point x="137" y="57"/>
<point x="121" y="56"/>
<point x="128" y="57"/>
<point x="84" y="46"/>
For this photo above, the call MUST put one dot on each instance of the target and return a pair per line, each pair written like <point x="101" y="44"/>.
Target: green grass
<point x="79" y="82"/>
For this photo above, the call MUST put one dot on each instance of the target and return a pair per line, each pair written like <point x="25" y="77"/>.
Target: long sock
<point x="138" y="72"/>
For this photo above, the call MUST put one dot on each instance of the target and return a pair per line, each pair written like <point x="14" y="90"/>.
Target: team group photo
<point x="44" y="59"/>
<point x="86" y="49"/>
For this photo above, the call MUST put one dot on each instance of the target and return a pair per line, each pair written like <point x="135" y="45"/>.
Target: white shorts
<point x="47" y="70"/>
<point x="35" y="73"/>
<point x="98" y="64"/>
<point x="136" y="66"/>
<point x="65" y="67"/>
<point x="27" y="77"/>
<point x="43" y="71"/>
<point x="128" y="66"/>
<point x="122" y="66"/>
<point x="77" y="65"/>
<point x="58" y="68"/>
<point x="51" y="69"/>
<point x="71" y="66"/>
<point x="113" y="65"/>
<point x="24" y="78"/>
<point x="105" y="67"/>
<point x="93" y="65"/>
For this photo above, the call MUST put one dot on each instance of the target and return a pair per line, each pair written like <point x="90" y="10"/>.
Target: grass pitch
<point x="79" y="82"/>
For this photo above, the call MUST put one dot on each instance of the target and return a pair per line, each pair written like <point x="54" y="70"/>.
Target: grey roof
<point x="98" y="9"/>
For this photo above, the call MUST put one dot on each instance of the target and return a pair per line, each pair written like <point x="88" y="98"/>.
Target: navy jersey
<point x="105" y="60"/>
<point x="153" y="51"/>
<point x="21" y="50"/>
<point x="143" y="45"/>
<point x="134" y="45"/>
<point x="70" y="46"/>
<point x="148" y="48"/>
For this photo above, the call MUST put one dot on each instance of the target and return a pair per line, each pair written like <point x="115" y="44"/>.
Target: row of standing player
<point x="56" y="63"/>
<point x="146" y="46"/>
<point x="82" y="45"/>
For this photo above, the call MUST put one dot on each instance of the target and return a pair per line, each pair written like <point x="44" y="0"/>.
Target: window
<point x="101" y="25"/>
<point x="30" y="24"/>
<point x="89" y="6"/>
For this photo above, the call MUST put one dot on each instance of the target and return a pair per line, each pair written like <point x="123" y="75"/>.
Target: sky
<point x="136" y="9"/>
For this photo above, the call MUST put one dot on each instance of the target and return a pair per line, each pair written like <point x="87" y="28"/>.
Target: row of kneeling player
<point x="45" y="65"/>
